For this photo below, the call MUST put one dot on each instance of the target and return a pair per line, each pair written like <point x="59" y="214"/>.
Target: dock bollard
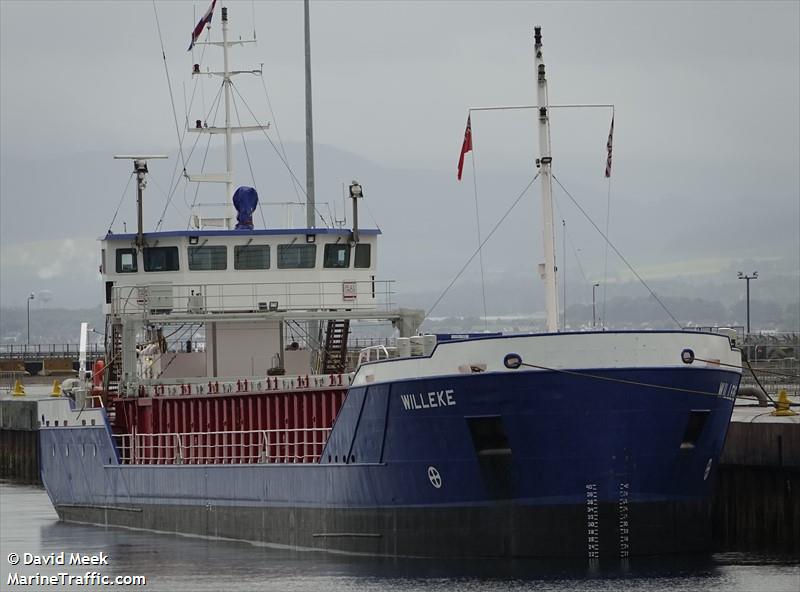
<point x="782" y="408"/>
<point x="56" y="392"/>
<point x="19" y="390"/>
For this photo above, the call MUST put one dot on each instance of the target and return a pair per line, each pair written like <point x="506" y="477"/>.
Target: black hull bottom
<point x="497" y="531"/>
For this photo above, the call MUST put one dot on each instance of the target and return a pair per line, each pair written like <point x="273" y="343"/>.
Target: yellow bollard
<point x="782" y="408"/>
<point x="56" y="392"/>
<point x="19" y="390"/>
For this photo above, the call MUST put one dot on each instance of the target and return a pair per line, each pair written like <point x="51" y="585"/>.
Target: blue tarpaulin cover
<point x="245" y="200"/>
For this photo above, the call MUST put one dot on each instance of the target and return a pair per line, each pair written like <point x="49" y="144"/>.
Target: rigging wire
<point x="478" y="226"/>
<point x="177" y="179"/>
<point x="197" y="185"/>
<point x="164" y="193"/>
<point x="283" y="160"/>
<point x="169" y="86"/>
<point x="488" y="236"/>
<point x="571" y="244"/>
<point x="208" y="145"/>
<point x="369" y="211"/>
<point x="619" y="254"/>
<point x="249" y="164"/>
<point x="119" y="205"/>
<point x="277" y="131"/>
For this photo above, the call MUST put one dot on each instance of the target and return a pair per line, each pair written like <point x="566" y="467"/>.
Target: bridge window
<point x="251" y="257"/>
<point x="297" y="256"/>
<point x="208" y="258"/>
<point x="161" y="259"/>
<point x="337" y="256"/>
<point x="363" y="259"/>
<point x="126" y="261"/>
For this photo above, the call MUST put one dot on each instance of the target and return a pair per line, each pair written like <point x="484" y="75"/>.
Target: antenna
<point x="140" y="168"/>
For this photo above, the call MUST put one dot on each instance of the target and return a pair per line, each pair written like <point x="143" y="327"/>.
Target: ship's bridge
<point x="196" y="272"/>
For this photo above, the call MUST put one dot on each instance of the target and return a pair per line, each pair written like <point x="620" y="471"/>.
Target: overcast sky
<point x="707" y="98"/>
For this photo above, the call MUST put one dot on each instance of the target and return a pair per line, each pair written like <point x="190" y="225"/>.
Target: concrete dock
<point x="757" y="499"/>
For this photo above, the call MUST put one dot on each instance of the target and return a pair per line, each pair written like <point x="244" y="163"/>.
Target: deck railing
<point x="287" y="445"/>
<point x="261" y="297"/>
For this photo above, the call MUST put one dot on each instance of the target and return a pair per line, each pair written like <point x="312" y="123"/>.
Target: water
<point x="177" y="563"/>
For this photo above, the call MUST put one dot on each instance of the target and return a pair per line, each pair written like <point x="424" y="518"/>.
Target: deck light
<point x="196" y="69"/>
<point x="273" y="305"/>
<point x="193" y="240"/>
<point x="310" y="238"/>
<point x="512" y="361"/>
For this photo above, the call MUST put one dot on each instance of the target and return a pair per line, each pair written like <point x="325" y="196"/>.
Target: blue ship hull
<point x="486" y="464"/>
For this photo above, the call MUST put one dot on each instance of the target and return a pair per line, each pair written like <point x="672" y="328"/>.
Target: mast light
<point x="355" y="190"/>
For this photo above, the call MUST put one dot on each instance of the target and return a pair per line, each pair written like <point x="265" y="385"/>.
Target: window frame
<point x="209" y="257"/>
<point x="118" y="253"/>
<point x="297" y="246"/>
<point x="331" y="246"/>
<point x="177" y="259"/>
<point x="362" y="246"/>
<point x="236" y="255"/>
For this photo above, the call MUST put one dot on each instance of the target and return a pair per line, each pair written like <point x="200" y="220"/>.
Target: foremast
<point x="547" y="270"/>
<point x="228" y="130"/>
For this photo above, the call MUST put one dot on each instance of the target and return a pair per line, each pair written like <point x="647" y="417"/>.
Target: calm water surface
<point x="29" y="525"/>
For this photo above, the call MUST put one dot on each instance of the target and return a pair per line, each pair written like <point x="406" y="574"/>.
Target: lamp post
<point x="28" y="305"/>
<point x="747" y="278"/>
<point x="594" y="306"/>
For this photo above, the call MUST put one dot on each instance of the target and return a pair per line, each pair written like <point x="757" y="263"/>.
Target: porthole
<point x="92" y="422"/>
<point x="83" y="422"/>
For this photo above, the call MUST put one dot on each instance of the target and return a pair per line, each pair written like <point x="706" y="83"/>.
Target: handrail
<point x="281" y="445"/>
<point x="42" y="350"/>
<point x="252" y="297"/>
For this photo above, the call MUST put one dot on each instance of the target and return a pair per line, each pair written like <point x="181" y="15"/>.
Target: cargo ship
<point x="229" y="404"/>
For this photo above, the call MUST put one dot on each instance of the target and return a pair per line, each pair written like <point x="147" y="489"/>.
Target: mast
<point x="547" y="270"/>
<point x="226" y="82"/>
<point x="140" y="170"/>
<point x="226" y="74"/>
<point x="310" y="207"/>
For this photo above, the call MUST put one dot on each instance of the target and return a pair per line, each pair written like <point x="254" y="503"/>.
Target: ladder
<point x="113" y="372"/>
<point x="334" y="357"/>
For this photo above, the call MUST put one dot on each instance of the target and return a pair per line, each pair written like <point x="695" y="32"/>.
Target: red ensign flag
<point x="608" y="146"/>
<point x="465" y="147"/>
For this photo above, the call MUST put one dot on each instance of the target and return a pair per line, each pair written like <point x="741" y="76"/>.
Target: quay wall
<point x="756" y="506"/>
<point x="19" y="441"/>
